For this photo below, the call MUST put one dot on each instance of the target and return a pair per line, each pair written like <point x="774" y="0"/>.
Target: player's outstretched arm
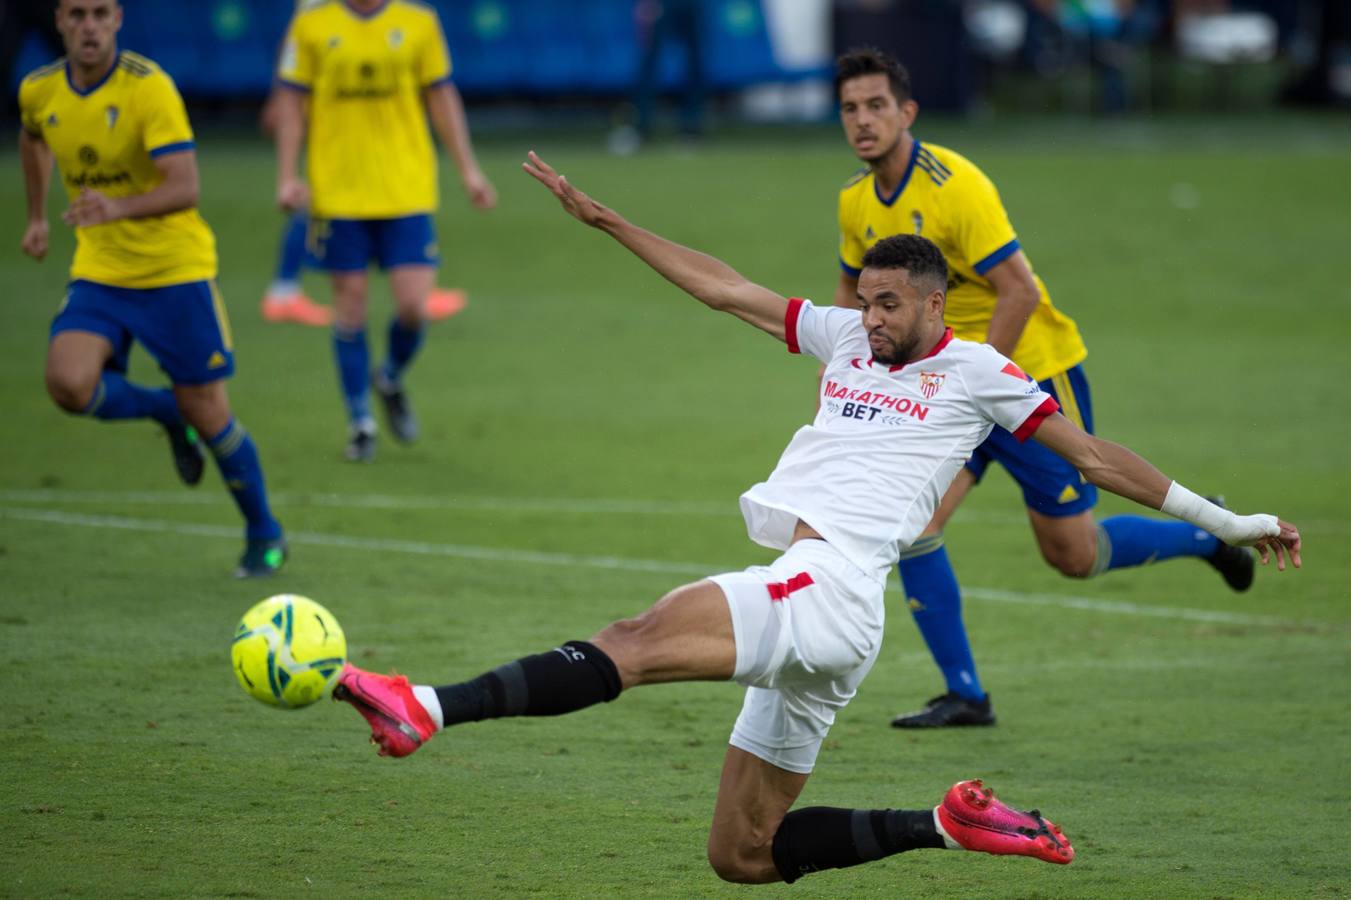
<point x="1114" y="468"/>
<point x="36" y="160"/>
<point x="708" y="280"/>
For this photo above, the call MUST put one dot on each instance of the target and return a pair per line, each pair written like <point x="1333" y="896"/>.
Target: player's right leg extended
<point x="685" y="636"/>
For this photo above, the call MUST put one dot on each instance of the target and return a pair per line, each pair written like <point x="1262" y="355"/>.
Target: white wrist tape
<point x="1193" y="508"/>
<point x="1230" y="528"/>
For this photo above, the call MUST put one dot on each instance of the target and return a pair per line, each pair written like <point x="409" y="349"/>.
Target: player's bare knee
<point x="624" y="643"/>
<point x="69" y="391"/>
<point x="1072" y="562"/>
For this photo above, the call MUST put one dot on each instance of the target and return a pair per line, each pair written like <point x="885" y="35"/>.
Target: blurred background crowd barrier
<point x="770" y="59"/>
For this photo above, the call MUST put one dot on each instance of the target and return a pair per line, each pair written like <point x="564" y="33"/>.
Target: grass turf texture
<point x="1185" y="756"/>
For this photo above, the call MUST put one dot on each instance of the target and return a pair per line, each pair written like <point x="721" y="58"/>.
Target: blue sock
<point x="935" y="601"/>
<point x="1135" y="541"/>
<point x="117" y="398"/>
<point x="237" y="458"/>
<point x="354" y="372"/>
<point x="403" y="346"/>
<point x="292" y="257"/>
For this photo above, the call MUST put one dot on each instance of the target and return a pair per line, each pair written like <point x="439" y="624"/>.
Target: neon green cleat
<point x="261" y="558"/>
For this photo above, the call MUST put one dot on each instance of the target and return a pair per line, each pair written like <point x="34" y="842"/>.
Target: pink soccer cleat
<point x="399" y="724"/>
<point x="972" y="817"/>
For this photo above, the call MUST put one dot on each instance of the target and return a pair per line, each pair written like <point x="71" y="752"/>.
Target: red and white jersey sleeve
<point x="819" y="332"/>
<point x="1005" y="393"/>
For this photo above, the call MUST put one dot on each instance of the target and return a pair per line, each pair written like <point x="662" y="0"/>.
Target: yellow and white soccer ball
<point x="288" y="651"/>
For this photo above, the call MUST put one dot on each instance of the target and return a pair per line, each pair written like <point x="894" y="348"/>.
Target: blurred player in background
<point x="850" y="490"/>
<point x="362" y="78"/>
<point x="994" y="297"/>
<point x="285" y="300"/>
<point x="145" y="261"/>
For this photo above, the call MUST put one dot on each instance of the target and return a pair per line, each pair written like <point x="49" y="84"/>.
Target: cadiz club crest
<point x="930" y="382"/>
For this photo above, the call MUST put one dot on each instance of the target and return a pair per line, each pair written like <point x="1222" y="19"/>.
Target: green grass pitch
<point x="587" y="432"/>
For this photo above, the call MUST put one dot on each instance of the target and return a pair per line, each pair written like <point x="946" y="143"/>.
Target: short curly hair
<point x="862" y="61"/>
<point x="919" y="256"/>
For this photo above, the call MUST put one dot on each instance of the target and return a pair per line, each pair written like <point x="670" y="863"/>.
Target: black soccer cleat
<point x="186" y="446"/>
<point x="262" y="558"/>
<point x="948" y="710"/>
<point x="360" y="443"/>
<point x="1236" y="565"/>
<point x="398" y="413"/>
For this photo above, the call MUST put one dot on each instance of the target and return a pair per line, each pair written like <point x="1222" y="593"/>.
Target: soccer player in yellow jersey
<point x="911" y="187"/>
<point x="145" y="262"/>
<point x="365" y="77"/>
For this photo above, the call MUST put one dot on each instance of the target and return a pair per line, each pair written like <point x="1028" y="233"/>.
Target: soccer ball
<point x="288" y="651"/>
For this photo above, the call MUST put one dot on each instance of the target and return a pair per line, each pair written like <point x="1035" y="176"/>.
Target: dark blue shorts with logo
<point x="183" y="326"/>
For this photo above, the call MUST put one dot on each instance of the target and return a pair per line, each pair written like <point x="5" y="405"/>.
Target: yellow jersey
<point x="370" y="153"/>
<point x="945" y="198"/>
<point x="107" y="138"/>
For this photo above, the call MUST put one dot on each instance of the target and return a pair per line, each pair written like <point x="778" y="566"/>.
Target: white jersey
<point x="887" y="442"/>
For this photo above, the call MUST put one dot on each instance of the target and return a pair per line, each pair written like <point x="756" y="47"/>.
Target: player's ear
<point x="934" y="303"/>
<point x="909" y="111"/>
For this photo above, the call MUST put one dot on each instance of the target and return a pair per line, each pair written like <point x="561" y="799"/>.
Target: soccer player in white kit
<point x="903" y="404"/>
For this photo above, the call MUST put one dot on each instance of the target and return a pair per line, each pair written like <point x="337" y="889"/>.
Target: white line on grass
<point x="615" y="563"/>
<point x="541" y="505"/>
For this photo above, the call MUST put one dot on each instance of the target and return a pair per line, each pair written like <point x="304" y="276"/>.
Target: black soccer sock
<point x="823" y="837"/>
<point x="566" y="679"/>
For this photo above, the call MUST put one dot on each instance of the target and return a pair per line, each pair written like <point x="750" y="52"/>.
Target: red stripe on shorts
<point x="779" y="590"/>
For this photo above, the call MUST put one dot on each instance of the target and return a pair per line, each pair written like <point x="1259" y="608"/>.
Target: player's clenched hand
<point x="480" y="190"/>
<point x="34" y="241"/>
<point x="578" y="205"/>
<point x="1285" y="542"/>
<point x="92" y="208"/>
<point x="293" y="194"/>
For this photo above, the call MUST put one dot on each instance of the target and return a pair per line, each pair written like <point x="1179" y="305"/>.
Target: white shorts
<point x="808" y="627"/>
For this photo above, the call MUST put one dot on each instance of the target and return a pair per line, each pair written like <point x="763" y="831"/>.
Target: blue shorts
<point x="350" y="245"/>
<point x="1050" y="485"/>
<point x="184" y="326"/>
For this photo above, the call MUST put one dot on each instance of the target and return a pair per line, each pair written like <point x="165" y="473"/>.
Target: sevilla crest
<point x="930" y="382"/>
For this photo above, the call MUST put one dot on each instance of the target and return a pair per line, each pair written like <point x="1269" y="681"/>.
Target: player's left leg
<point x="755" y="839"/>
<point x="187" y="331"/>
<point x="405" y="248"/>
<point x="207" y="407"/>
<point x="411" y="285"/>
